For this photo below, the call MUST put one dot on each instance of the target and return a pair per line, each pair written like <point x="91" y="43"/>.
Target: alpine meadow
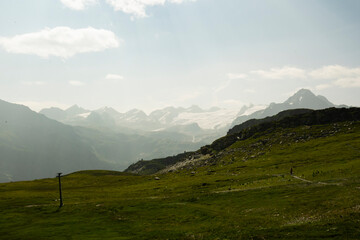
<point x="179" y="119"/>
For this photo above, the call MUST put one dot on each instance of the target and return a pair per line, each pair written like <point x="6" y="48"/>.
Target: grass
<point x="247" y="193"/>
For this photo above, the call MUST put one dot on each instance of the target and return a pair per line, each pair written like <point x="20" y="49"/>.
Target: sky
<point x="150" y="54"/>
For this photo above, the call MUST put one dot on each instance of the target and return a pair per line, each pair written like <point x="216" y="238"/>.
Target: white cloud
<point x="78" y="4"/>
<point x="137" y="8"/>
<point x="348" y="82"/>
<point x="61" y="42"/>
<point x="114" y="77"/>
<point x="233" y="76"/>
<point x="76" y="83"/>
<point x="322" y="78"/>
<point x="335" y="72"/>
<point x="282" y="73"/>
<point x="343" y="77"/>
<point x="134" y="7"/>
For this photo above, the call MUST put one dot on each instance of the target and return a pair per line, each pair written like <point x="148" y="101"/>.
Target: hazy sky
<point x="149" y="54"/>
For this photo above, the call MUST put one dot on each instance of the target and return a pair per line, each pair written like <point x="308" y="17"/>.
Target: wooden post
<point x="61" y="201"/>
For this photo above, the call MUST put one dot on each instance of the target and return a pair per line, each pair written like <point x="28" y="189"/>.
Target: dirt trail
<point x="240" y="189"/>
<point x="254" y="188"/>
<point x="308" y="181"/>
<point x="302" y="179"/>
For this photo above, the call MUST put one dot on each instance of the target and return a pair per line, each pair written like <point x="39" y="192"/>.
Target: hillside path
<point x="305" y="180"/>
<point x="302" y="179"/>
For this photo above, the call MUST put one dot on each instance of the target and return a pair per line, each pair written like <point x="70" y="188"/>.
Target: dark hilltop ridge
<point x="303" y="98"/>
<point x="286" y="119"/>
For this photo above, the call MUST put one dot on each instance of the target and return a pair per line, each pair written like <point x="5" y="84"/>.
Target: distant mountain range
<point x="34" y="145"/>
<point x="304" y="98"/>
<point x="193" y="123"/>
<point x="213" y="120"/>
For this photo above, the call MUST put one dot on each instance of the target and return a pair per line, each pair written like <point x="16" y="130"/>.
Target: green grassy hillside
<point x="255" y="127"/>
<point x="242" y="192"/>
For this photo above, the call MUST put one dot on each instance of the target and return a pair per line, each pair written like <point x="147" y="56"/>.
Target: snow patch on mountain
<point x="84" y="115"/>
<point x="207" y="120"/>
<point x="252" y="109"/>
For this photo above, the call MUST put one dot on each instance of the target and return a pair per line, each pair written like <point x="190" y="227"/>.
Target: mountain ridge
<point x="34" y="146"/>
<point x="286" y="119"/>
<point x="208" y="119"/>
<point x="303" y="98"/>
<point x="34" y="140"/>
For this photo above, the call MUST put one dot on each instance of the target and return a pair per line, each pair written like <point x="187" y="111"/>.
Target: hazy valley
<point x="38" y="145"/>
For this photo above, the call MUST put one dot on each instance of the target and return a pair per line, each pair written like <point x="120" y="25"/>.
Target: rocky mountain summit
<point x="303" y="98"/>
